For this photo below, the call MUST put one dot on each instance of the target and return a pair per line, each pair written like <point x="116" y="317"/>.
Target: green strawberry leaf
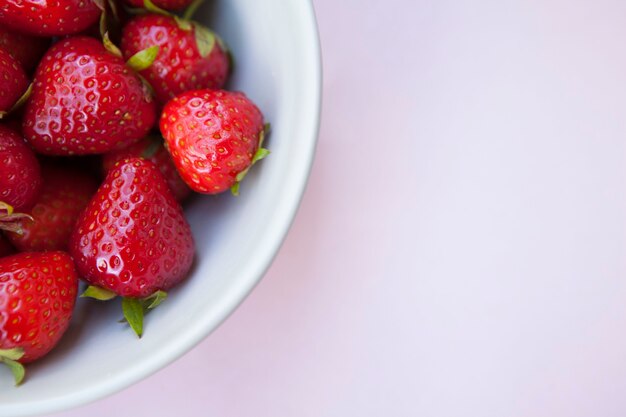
<point x="10" y="358"/>
<point x="151" y="7"/>
<point x="183" y="24"/>
<point x="17" y="369"/>
<point x="133" y="313"/>
<point x="143" y="59"/>
<point x="19" y="103"/>
<point x="10" y="221"/>
<point x="98" y="293"/>
<point x="114" y="10"/>
<point x="106" y="40"/>
<point x="110" y="46"/>
<point x="260" y="153"/>
<point x="155" y="299"/>
<point x="23" y="99"/>
<point x="5" y="209"/>
<point x="205" y="40"/>
<point x="103" y="23"/>
<point x="13" y="354"/>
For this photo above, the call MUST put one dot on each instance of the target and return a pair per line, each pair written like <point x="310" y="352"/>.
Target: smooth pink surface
<point x="461" y="248"/>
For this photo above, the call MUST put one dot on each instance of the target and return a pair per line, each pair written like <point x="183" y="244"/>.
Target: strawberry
<point x="132" y="239"/>
<point x="20" y="181"/>
<point x="37" y="295"/>
<point x="85" y="100"/>
<point x="152" y="149"/>
<point x="5" y="247"/>
<point x="189" y="56"/>
<point x="26" y="49"/>
<point x="214" y="137"/>
<point x="65" y="193"/>
<point x="50" y="17"/>
<point x="13" y="82"/>
<point x="164" y="4"/>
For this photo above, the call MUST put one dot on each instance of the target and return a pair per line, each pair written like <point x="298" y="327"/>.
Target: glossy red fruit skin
<point x="37" y="296"/>
<point x="171" y="5"/>
<point x="5" y="247"/>
<point x="13" y="81"/>
<point x="179" y="66"/>
<point x="212" y="136"/>
<point x="26" y="49"/>
<point x="154" y="151"/>
<point x="20" y="181"/>
<point x="133" y="238"/>
<point x="64" y="195"/>
<point x="50" y="17"/>
<point x="86" y="101"/>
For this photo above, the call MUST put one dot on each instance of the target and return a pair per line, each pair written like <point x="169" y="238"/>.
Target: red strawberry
<point x="20" y="181"/>
<point x="65" y="193"/>
<point x="164" y="4"/>
<point x="13" y="82"/>
<point x="189" y="57"/>
<point x="50" y="17"/>
<point x="152" y="149"/>
<point x="214" y="137"/>
<point x="27" y="50"/>
<point x="85" y="100"/>
<point x="5" y="247"/>
<point x="37" y="295"/>
<point x="132" y="239"/>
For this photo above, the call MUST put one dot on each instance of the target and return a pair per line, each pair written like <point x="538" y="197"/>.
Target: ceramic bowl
<point x="278" y="65"/>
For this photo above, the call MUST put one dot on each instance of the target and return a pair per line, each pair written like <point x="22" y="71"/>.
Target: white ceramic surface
<point x="275" y="44"/>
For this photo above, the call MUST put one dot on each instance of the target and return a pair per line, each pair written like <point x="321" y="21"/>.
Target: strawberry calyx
<point x="106" y="39"/>
<point x="10" y="358"/>
<point x="138" y="62"/>
<point x="20" y="101"/>
<point x="261" y="153"/>
<point x="11" y="221"/>
<point x="98" y="293"/>
<point x="134" y="309"/>
<point x="153" y="8"/>
<point x="143" y="59"/>
<point x="205" y="38"/>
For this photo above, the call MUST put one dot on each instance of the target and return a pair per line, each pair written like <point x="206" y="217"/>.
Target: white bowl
<point x="275" y="44"/>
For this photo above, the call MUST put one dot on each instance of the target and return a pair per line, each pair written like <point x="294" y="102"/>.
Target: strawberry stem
<point x="191" y="10"/>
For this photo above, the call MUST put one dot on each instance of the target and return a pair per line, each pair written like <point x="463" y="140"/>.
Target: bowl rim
<point x="285" y="213"/>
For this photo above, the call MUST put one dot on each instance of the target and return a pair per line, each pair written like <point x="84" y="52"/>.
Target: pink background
<point x="461" y="248"/>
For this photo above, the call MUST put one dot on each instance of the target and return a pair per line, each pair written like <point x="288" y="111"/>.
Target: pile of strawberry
<point x="111" y="114"/>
